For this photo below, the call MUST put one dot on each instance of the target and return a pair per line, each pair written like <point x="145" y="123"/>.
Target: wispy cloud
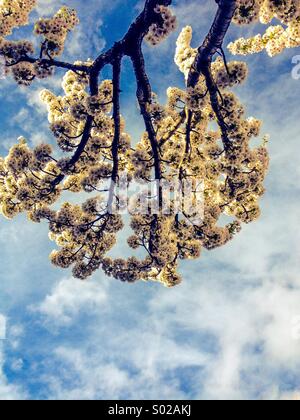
<point x="227" y="332"/>
<point x="8" y="392"/>
<point x="69" y="298"/>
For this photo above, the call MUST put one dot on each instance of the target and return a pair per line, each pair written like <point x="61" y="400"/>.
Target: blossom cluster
<point x="84" y="234"/>
<point x="68" y="115"/>
<point x="247" y="11"/>
<point x="286" y="34"/>
<point x="28" y="178"/>
<point x="161" y="30"/>
<point x="185" y="55"/>
<point x="14" y="13"/>
<point x="16" y="53"/>
<point x="55" y="30"/>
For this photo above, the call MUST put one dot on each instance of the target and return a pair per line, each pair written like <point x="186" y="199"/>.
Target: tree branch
<point x="55" y="63"/>
<point x="144" y="93"/>
<point x="130" y="43"/>
<point x="136" y="32"/>
<point x="213" y="41"/>
<point x="202" y="64"/>
<point x="117" y="128"/>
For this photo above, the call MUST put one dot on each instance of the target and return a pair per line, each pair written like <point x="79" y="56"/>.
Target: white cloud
<point x="69" y="298"/>
<point x="8" y="391"/>
<point x="211" y="333"/>
<point x="290" y="396"/>
<point x="242" y="318"/>
<point x="227" y="332"/>
<point x="92" y="379"/>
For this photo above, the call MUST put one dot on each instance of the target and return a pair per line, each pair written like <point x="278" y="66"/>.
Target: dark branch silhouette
<point x="206" y="52"/>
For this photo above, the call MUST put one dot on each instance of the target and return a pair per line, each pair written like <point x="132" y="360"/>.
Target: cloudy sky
<point x="230" y="331"/>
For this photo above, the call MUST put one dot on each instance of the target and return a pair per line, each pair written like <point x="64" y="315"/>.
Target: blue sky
<point x="229" y="332"/>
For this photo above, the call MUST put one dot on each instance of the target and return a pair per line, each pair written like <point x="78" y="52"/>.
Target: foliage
<point x="201" y="134"/>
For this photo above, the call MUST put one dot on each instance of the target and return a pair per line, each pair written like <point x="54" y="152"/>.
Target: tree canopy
<point x="201" y="135"/>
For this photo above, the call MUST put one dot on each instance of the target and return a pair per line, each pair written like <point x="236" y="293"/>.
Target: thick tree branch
<point x="54" y="63"/>
<point x="130" y="43"/>
<point x="170" y="134"/>
<point x="116" y="116"/>
<point x="144" y="93"/>
<point x="117" y="128"/>
<point x="80" y="149"/>
<point x="214" y="100"/>
<point x="213" y="41"/>
<point x="202" y="64"/>
<point x="136" y="32"/>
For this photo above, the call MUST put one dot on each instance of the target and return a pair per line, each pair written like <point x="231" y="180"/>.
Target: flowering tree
<point x="200" y="134"/>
